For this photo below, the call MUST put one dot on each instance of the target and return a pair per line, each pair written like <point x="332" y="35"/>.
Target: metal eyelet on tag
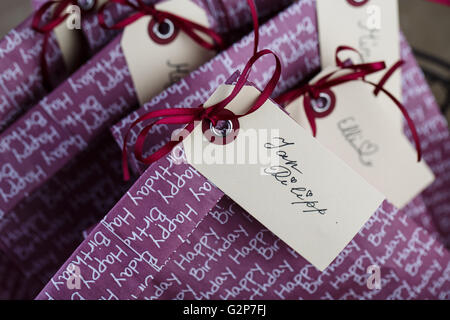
<point x="162" y="33"/>
<point x="222" y="132"/>
<point x="86" y="5"/>
<point x="222" y="135"/>
<point x="357" y="3"/>
<point x="324" y="105"/>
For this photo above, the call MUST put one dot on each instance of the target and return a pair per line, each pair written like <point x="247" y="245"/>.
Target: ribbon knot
<point x="188" y="116"/>
<point x="312" y="91"/>
<point x="204" y="115"/>
<point x="192" y="29"/>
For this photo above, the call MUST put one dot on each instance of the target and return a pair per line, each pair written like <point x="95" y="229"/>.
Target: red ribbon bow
<point x="191" y="28"/>
<point x="212" y="114"/>
<point x="57" y="17"/>
<point x="358" y="72"/>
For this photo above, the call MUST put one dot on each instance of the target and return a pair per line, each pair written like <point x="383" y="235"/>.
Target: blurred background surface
<point x="425" y="24"/>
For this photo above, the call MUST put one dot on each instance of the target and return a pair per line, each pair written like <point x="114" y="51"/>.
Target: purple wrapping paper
<point x="41" y="228"/>
<point x="63" y="123"/>
<point x="20" y="72"/>
<point x="20" y="88"/>
<point x="13" y="284"/>
<point x="42" y="231"/>
<point x="299" y="52"/>
<point x="175" y="236"/>
<point x="159" y="242"/>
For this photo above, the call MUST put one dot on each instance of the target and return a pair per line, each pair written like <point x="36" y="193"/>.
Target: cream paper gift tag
<point x="69" y="36"/>
<point x="301" y="192"/>
<point x="372" y="28"/>
<point x="154" y="66"/>
<point x="362" y="132"/>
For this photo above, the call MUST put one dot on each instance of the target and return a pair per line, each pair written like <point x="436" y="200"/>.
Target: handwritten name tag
<point x="287" y="174"/>
<point x="155" y="66"/>
<point x="290" y="183"/>
<point x="362" y="131"/>
<point x="371" y="27"/>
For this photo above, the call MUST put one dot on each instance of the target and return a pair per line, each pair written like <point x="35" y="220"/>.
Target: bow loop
<point x="212" y="114"/>
<point x="194" y="30"/>
<point x="354" y="72"/>
<point x="57" y="16"/>
<point x="188" y="116"/>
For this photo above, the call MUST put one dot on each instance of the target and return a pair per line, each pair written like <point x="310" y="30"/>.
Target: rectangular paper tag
<point x="69" y="37"/>
<point x="362" y="131"/>
<point x="153" y="66"/>
<point x="70" y="42"/>
<point x="301" y="192"/>
<point x="371" y="27"/>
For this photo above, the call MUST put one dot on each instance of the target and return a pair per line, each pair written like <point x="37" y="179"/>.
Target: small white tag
<point x="154" y="66"/>
<point x="362" y="130"/>
<point x="69" y="36"/>
<point x="372" y="28"/>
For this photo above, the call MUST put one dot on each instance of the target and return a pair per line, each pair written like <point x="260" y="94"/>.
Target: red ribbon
<point x="212" y="114"/>
<point x="357" y="3"/>
<point x="58" y="16"/>
<point x="191" y="28"/>
<point x="358" y="72"/>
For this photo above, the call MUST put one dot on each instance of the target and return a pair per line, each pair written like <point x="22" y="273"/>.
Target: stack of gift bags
<point x="119" y="139"/>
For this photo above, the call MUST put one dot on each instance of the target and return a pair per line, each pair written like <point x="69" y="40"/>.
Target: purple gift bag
<point x="301" y="59"/>
<point x="174" y="235"/>
<point x="47" y="209"/>
<point x="22" y="80"/>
